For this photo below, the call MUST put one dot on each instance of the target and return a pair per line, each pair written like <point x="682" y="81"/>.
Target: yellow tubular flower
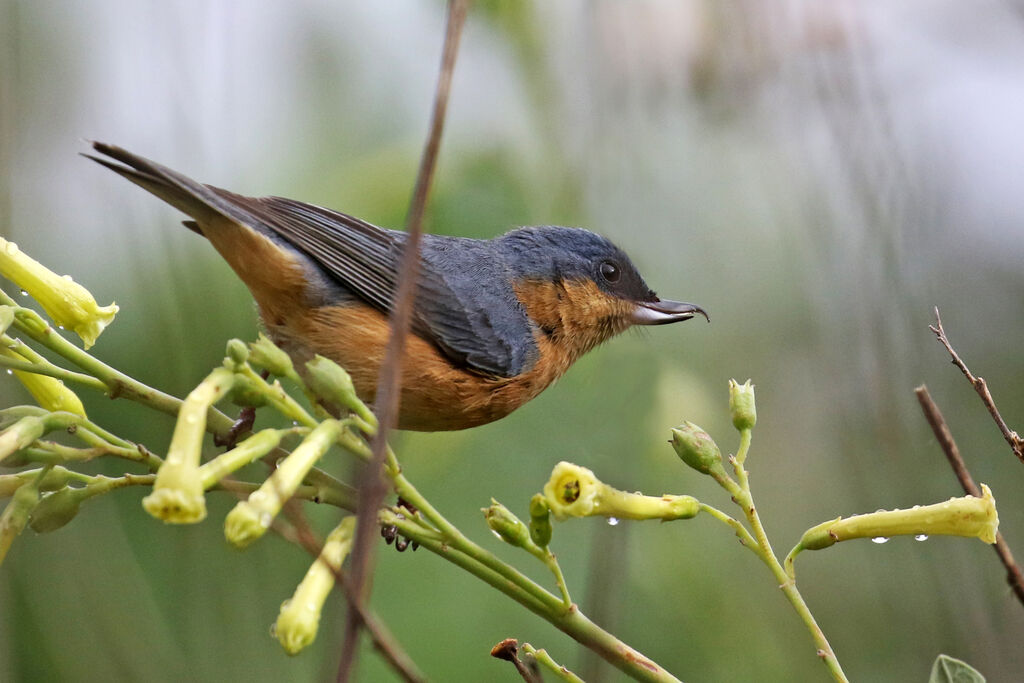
<point x="49" y="392"/>
<point x="574" y="491"/>
<point x="966" y="516"/>
<point x="297" y="624"/>
<point x="68" y="303"/>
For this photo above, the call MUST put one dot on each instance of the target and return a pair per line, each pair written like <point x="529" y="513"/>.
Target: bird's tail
<point x="193" y="198"/>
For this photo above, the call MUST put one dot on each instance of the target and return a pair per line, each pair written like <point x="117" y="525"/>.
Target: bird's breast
<point x="436" y="395"/>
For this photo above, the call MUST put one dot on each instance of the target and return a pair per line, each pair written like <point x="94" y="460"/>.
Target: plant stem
<point x="788" y="585"/>
<point x="571" y="621"/>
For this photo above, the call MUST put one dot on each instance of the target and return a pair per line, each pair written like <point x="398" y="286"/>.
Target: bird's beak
<point x="663" y="312"/>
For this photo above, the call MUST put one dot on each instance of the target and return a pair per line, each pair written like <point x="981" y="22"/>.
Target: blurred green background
<point x="817" y="175"/>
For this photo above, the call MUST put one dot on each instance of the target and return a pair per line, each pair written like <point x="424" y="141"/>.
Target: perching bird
<point x="495" y="321"/>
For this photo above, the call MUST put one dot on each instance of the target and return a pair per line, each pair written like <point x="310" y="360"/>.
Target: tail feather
<point x="195" y="199"/>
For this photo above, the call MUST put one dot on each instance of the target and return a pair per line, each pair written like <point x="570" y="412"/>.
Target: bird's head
<point x="580" y="289"/>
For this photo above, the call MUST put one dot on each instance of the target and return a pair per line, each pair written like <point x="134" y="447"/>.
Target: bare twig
<point x="373" y="488"/>
<point x="508" y="650"/>
<point x="980" y="386"/>
<point x="945" y="438"/>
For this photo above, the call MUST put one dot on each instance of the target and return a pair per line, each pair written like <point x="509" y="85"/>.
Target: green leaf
<point x="947" y="669"/>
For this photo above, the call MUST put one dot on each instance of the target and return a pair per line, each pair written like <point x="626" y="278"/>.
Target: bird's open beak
<point x="663" y="312"/>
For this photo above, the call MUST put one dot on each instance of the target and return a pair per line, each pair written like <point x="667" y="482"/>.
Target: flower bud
<point x="540" y="521"/>
<point x="506" y="525"/>
<point x="237" y="351"/>
<point x="333" y="384"/>
<point x="696" y="448"/>
<point x="299" y="619"/>
<point x="67" y="303"/>
<point x="57" y="509"/>
<point x="741" y="405"/>
<point x="574" y="491"/>
<point x="264" y="354"/>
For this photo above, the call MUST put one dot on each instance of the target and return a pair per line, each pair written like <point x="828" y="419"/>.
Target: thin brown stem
<point x="945" y="438"/>
<point x="373" y="487"/>
<point x="980" y="386"/>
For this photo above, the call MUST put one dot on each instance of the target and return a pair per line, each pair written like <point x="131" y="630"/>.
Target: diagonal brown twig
<point x="372" y="487"/>
<point x="980" y="386"/>
<point x="945" y="438"/>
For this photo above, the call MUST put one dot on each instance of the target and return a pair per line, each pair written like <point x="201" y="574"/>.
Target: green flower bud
<point x="264" y="354"/>
<point x="741" y="405"/>
<point x="237" y="351"/>
<point x="331" y="383"/>
<point x="540" y="521"/>
<point x="506" y="525"/>
<point x="57" y="509"/>
<point x="696" y="448"/>
<point x="67" y="303"/>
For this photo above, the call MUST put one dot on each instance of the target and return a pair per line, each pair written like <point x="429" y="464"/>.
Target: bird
<point x="494" y="323"/>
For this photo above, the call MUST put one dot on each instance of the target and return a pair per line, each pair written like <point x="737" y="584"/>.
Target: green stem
<point x="571" y="622"/>
<point x="554" y="667"/>
<point x="767" y="555"/>
<point x="54" y="371"/>
<point x="116" y="383"/>
<point x="741" y="531"/>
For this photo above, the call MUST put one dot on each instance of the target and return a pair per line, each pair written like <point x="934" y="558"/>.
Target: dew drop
<point x="10" y="372"/>
<point x="921" y="537"/>
<point x="880" y="539"/>
<point x="613" y="521"/>
<point x="60" y="327"/>
<point x="24" y="293"/>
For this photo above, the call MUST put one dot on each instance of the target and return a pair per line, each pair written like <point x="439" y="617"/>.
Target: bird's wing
<point x="478" y="326"/>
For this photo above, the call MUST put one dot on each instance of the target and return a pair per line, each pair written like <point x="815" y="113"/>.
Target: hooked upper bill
<point x="664" y="311"/>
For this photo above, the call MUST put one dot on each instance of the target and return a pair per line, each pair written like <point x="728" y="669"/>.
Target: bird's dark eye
<point x="610" y="271"/>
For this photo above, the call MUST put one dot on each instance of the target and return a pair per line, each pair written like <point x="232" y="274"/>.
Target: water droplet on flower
<point x="10" y="372"/>
<point x="24" y="293"/>
<point x="921" y="537"/>
<point x="60" y="327"/>
<point x="880" y="539"/>
<point x="613" y="521"/>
